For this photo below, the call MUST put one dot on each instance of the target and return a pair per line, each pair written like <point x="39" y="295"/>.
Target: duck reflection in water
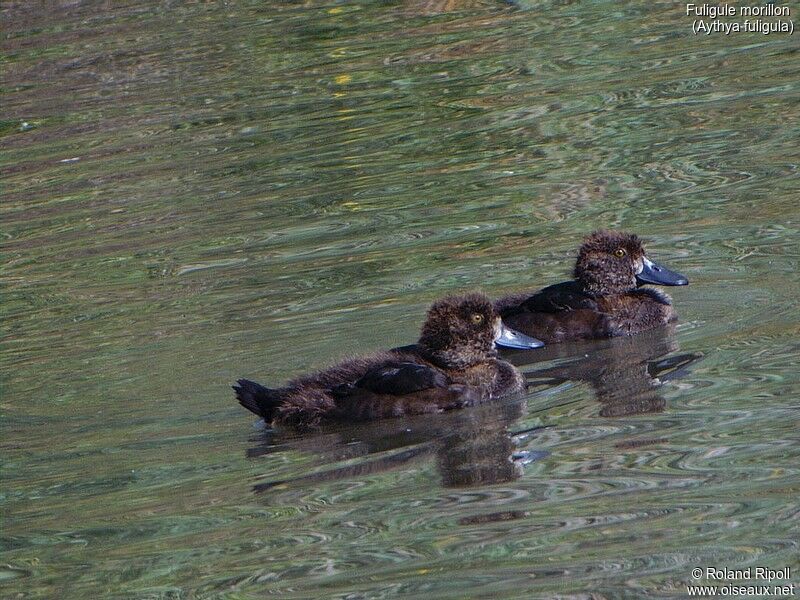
<point x="472" y="447"/>
<point x="624" y="373"/>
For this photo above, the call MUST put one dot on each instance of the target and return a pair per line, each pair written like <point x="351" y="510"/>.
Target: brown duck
<point x="605" y="298"/>
<point x="454" y="364"/>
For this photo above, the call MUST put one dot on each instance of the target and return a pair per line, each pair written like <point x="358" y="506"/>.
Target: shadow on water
<point x="478" y="446"/>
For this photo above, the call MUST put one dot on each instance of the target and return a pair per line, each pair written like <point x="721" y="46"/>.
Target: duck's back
<point x="562" y="312"/>
<point x="404" y="383"/>
<point x="556" y="313"/>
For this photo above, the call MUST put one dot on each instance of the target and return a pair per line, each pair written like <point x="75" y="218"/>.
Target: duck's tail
<point x="257" y="399"/>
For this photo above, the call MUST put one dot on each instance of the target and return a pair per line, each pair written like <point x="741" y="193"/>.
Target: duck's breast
<point x="637" y="311"/>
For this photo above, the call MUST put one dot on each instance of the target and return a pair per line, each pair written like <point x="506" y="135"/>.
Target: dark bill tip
<point x="654" y="273"/>
<point x="514" y="339"/>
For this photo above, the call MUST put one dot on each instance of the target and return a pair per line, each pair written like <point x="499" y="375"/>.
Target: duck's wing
<point x="401" y="388"/>
<point x="401" y="378"/>
<point x="557" y="298"/>
<point x="557" y="313"/>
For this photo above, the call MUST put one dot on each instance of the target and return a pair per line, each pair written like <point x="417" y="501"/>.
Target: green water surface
<point x="194" y="192"/>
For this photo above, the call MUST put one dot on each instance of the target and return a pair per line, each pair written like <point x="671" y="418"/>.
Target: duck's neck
<point x="604" y="284"/>
<point x="452" y="358"/>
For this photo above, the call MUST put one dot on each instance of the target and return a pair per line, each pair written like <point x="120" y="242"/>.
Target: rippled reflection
<point x="625" y="373"/>
<point x="471" y="447"/>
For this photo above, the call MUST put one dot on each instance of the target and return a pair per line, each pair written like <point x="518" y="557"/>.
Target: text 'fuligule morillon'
<point x="714" y="11"/>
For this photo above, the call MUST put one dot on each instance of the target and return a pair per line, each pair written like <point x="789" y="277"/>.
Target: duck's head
<point x="612" y="262"/>
<point x="460" y="331"/>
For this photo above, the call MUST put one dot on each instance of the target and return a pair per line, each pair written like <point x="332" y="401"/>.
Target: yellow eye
<point x="620" y="252"/>
<point x="477" y="318"/>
